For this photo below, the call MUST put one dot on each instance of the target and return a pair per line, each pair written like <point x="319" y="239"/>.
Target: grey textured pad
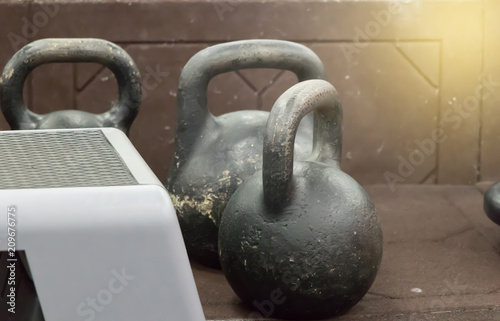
<point x="40" y="159"/>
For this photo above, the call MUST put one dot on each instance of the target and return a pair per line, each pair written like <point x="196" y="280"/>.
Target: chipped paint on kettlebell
<point x="214" y="155"/>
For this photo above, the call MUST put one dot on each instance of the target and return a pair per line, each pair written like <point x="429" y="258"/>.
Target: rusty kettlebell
<point x="213" y="155"/>
<point x="306" y="234"/>
<point x="39" y="52"/>
<point x="492" y="203"/>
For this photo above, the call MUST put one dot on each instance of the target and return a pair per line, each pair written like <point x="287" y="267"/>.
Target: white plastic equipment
<point x="99" y="231"/>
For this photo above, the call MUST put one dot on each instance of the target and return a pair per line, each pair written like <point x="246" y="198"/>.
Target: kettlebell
<point x="303" y="236"/>
<point x="213" y="155"/>
<point x="492" y="203"/>
<point x="39" y="52"/>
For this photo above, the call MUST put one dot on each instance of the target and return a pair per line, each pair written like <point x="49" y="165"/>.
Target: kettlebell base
<point x="199" y="232"/>
<point x="304" y="311"/>
<point x="206" y="260"/>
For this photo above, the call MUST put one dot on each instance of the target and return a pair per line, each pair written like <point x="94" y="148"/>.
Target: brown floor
<point x="441" y="261"/>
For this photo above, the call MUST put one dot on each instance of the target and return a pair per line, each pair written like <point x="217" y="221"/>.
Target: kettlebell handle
<point x="221" y="58"/>
<point x="49" y="50"/>
<point x="279" y="139"/>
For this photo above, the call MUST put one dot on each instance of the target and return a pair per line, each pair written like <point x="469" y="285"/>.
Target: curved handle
<point x="279" y="139"/>
<point x="221" y="58"/>
<point x="70" y="50"/>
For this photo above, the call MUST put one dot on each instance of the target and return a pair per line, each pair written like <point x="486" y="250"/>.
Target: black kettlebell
<point x="303" y="238"/>
<point x="492" y="203"/>
<point x="39" y="52"/>
<point x="213" y="155"/>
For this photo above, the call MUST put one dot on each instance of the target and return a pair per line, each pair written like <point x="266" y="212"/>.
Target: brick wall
<point x="402" y="70"/>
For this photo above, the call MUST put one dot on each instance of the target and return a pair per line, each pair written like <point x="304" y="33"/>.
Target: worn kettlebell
<point x="39" y="52"/>
<point x="213" y="155"/>
<point x="492" y="203"/>
<point x="302" y="236"/>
